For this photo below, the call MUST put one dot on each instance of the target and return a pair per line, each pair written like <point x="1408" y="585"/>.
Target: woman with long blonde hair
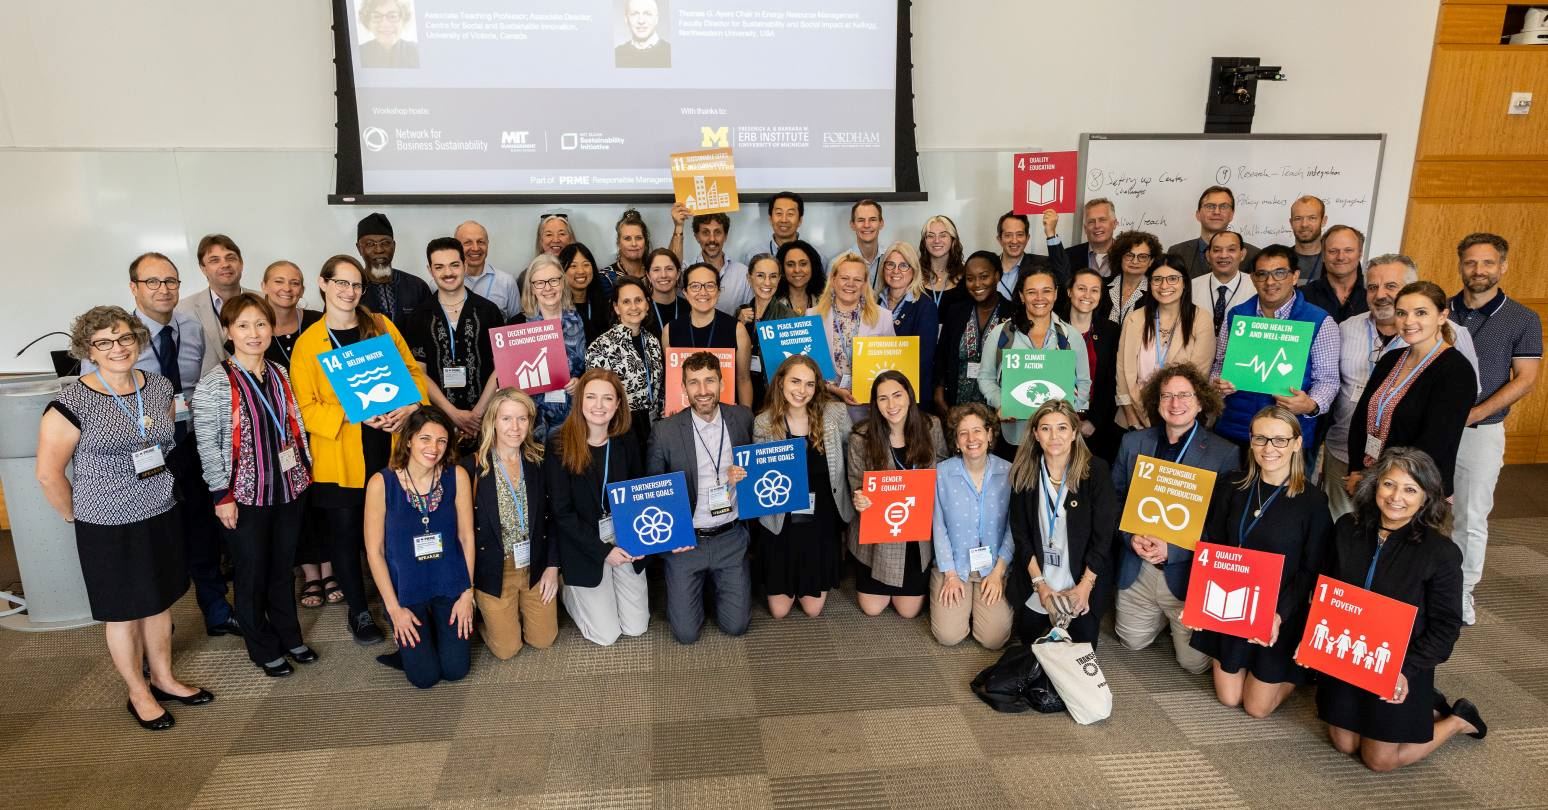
<point x="515" y="562"/>
<point x="849" y="310"/>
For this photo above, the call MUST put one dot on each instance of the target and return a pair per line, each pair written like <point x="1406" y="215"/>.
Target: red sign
<point x="677" y="398"/>
<point x="902" y="506"/>
<point x="1357" y="636"/>
<point x="1233" y="591"/>
<point x="531" y="356"/>
<point x="1043" y="180"/>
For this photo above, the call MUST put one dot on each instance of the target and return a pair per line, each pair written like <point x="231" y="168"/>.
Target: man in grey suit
<point x="221" y="262"/>
<point x="1152" y="575"/>
<point x="1217" y="207"/>
<point x="698" y="441"/>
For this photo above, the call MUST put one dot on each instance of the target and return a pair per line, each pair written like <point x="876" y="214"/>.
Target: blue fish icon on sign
<point x="381" y="392"/>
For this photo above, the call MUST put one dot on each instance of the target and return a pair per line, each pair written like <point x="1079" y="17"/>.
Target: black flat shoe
<point x="229" y="627"/>
<point x="198" y="698"/>
<point x="1441" y="705"/>
<point x="306" y="656"/>
<point x="1465" y="709"/>
<point x="278" y="671"/>
<point x="161" y="723"/>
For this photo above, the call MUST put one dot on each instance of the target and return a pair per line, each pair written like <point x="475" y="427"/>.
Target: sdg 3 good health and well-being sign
<point x="1267" y="355"/>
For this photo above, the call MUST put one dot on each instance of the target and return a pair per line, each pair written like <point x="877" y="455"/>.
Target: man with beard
<point x="1223" y="288"/>
<point x="389" y="291"/>
<point x="711" y="232"/>
<point x="221" y="262"/>
<point x="498" y="286"/>
<point x="1217" y="207"/>
<point x="1340" y="291"/>
<point x="1509" y="338"/>
<point x="1308" y="216"/>
<point x="1365" y="337"/>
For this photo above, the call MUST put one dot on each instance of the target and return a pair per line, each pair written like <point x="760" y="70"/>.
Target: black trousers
<point x="344" y="527"/>
<point x="201" y="533"/>
<point x="1031" y="625"/>
<point x="262" y="548"/>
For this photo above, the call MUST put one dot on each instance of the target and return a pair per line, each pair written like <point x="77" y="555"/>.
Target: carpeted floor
<point x="840" y="711"/>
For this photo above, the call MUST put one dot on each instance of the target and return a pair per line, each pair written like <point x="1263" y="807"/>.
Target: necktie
<point x="166" y="357"/>
<point x="1220" y="304"/>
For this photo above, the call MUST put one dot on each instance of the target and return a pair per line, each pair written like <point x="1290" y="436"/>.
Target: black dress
<point x="1419" y="566"/>
<point x="1298" y="528"/>
<point x="804" y="558"/>
<point x="282" y="345"/>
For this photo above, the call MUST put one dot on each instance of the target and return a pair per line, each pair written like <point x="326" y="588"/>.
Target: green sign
<point x="1267" y="355"/>
<point x="1030" y="377"/>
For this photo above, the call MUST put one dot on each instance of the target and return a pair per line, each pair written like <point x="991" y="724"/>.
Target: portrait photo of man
<point x="644" y="48"/>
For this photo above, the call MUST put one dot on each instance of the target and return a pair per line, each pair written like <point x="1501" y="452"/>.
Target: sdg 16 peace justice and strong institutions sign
<point x="776" y="479"/>
<point x="783" y="339"/>
<point x="1030" y="377"/>
<point x="532" y="357"/>
<point x="1267" y="355"/>
<point x="1167" y="501"/>
<point x="369" y="378"/>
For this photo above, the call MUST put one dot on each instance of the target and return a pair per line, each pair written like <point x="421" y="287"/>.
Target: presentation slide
<point x="591" y="96"/>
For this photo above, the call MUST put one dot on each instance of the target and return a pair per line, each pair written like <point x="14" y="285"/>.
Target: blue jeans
<point x="440" y="655"/>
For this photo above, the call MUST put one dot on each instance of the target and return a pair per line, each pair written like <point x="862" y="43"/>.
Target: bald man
<point x="482" y="278"/>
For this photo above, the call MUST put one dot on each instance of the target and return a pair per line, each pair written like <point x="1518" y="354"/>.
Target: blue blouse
<point x="418" y="581"/>
<point x="966" y="516"/>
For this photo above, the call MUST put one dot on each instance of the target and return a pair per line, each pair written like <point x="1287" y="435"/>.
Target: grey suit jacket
<point x="1189" y="253"/>
<point x="202" y="309"/>
<point x="673" y="447"/>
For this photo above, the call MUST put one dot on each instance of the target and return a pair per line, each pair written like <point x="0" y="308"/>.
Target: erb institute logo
<point x="653" y="526"/>
<point x="374" y="138"/>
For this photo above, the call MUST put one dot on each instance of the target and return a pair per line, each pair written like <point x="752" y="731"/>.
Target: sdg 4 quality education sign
<point x="651" y="515"/>
<point x="1233" y="590"/>
<point x="780" y="340"/>
<point x="369" y="378"/>
<point x="776" y="478"/>
<point x="1267" y="355"/>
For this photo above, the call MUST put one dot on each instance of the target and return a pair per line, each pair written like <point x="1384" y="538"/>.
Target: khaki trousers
<point x="990" y="624"/>
<point x="517" y="611"/>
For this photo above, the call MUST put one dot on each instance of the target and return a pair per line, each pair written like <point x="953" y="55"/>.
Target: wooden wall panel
<point x="1470" y="24"/>
<point x="1465" y="104"/>
<point x="1491" y="179"/>
<point x="1434" y="227"/>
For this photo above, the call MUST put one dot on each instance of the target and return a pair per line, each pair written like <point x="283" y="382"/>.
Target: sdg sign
<point x="651" y="515"/>
<point x="1030" y="377"/>
<point x="1267" y="355"/>
<point x="780" y="340"/>
<point x="776" y="479"/>
<point x="369" y="378"/>
<point x="531" y="356"/>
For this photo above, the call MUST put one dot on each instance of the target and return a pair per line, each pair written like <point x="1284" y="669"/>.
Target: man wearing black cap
<point x="389" y="291"/>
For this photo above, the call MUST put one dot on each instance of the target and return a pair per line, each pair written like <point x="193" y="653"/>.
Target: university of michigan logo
<point x="710" y="138"/>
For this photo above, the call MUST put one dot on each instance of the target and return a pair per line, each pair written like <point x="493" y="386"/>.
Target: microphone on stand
<point x="64" y="364"/>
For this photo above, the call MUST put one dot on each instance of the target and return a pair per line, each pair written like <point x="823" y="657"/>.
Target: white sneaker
<point x="1469" y="618"/>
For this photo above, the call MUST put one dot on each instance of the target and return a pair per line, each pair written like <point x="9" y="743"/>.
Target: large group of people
<point x="203" y="430"/>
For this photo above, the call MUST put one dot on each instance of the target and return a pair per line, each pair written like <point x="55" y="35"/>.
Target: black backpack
<point x="1016" y="683"/>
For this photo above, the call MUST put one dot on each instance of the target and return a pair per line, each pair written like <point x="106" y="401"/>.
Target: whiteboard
<point x="1155" y="180"/>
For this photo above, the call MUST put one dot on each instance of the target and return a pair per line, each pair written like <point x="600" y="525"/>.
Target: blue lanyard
<point x="521" y="513"/>
<point x="1392" y="393"/>
<point x="1160" y="349"/>
<point x="279" y="423"/>
<point x="421" y="502"/>
<point x="1051" y="505"/>
<point x="1183" y="453"/>
<point x="720" y="446"/>
<point x="1370" y="573"/>
<point x="660" y="321"/>
<point x="692" y="338"/>
<point x="607" y="466"/>
<point x="119" y="401"/>
<point x="451" y="328"/>
<point x="1241" y="533"/>
<point x="978" y="492"/>
<point x="332" y="338"/>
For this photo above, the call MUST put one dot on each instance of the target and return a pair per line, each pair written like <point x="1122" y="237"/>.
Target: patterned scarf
<point x="969" y="351"/>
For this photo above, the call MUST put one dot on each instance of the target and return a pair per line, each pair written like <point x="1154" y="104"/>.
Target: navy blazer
<point x="920" y="318"/>
<point x="673" y="446"/>
<point x="1091" y="518"/>
<point x="489" y="542"/>
<point x="1208" y="452"/>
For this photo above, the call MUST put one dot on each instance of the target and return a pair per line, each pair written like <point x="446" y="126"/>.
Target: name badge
<point x="755" y="363"/>
<point x="1372" y="447"/>
<point x="1052" y="559"/>
<point x="427" y="546"/>
<point x="973" y="367"/>
<point x="844" y="382"/>
<point x="148" y="461"/>
<point x="555" y="396"/>
<point x="719" y="500"/>
<point x="287" y="459"/>
<point x="454" y="377"/>
<point x="980" y="557"/>
<point x="521" y="554"/>
<point x="605" y="529"/>
<point x="180" y="411"/>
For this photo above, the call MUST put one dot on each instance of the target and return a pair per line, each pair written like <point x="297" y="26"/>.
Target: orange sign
<point x="902" y="506"/>
<point x="1233" y="591"/>
<point x="705" y="181"/>
<point x="677" y="398"/>
<point x="1358" y="636"/>
<point x="1168" y="501"/>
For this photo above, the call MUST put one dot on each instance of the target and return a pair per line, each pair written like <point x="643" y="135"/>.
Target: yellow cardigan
<point x="337" y="454"/>
<point x="1200" y="352"/>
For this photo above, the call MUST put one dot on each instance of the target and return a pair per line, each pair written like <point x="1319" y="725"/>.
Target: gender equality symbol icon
<point x="896" y="514"/>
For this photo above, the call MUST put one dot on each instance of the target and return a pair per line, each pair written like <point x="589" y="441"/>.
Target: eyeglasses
<point x="703" y="286"/>
<point x="1137" y="257"/>
<point x="1217" y="207"/>
<point x="157" y="283"/>
<point x="546" y="284"/>
<point x="341" y="285"/>
<point x="376" y="244"/>
<point x="1278" y="274"/>
<point x="897" y="266"/>
<point x="1278" y="441"/>
<point x="126" y="340"/>
<point x="1165" y="281"/>
<point x="1180" y="396"/>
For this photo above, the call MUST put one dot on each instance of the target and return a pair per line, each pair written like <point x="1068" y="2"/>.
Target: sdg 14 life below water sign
<point x="369" y="378"/>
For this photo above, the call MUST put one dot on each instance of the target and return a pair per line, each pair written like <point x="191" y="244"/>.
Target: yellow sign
<point x="873" y="355"/>
<point x="705" y="182"/>
<point x="1167" y="501"/>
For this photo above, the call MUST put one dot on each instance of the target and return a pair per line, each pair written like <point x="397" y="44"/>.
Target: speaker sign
<point x="1168" y="501"/>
